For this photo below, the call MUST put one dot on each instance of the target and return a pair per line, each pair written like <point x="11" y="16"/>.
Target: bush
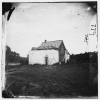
<point x="37" y="64"/>
<point x="55" y="64"/>
<point x="24" y="61"/>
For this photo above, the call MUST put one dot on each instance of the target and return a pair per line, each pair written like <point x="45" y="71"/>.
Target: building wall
<point x="62" y="53"/>
<point x="67" y="56"/>
<point x="38" y="56"/>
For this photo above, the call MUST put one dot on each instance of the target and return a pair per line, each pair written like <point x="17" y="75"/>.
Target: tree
<point x="11" y="56"/>
<point x="8" y="53"/>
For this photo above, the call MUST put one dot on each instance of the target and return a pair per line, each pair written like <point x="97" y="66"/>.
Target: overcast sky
<point x="31" y="23"/>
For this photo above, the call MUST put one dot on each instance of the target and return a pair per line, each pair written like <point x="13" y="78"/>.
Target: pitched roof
<point x="49" y="45"/>
<point x="34" y="48"/>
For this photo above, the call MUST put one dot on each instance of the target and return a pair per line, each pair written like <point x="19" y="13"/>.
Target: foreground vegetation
<point x="48" y="81"/>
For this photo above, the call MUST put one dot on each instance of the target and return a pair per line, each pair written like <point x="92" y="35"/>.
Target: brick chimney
<point x="45" y="41"/>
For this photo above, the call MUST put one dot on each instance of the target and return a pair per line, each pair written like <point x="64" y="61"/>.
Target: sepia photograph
<point x="49" y="50"/>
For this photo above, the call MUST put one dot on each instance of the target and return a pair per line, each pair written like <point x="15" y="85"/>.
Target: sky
<point x="32" y="23"/>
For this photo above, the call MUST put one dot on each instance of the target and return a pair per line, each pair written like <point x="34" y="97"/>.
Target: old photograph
<point x="50" y="50"/>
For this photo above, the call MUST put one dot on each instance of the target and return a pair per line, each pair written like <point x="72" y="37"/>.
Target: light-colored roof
<point x="50" y="45"/>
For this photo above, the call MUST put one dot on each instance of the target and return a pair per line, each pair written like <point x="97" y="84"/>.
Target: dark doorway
<point x="46" y="60"/>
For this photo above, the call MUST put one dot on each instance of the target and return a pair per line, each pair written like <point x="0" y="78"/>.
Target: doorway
<point x="46" y="60"/>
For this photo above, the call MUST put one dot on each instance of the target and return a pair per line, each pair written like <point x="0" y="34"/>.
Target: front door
<point x="46" y="60"/>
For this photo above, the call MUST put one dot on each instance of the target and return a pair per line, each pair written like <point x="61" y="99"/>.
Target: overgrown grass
<point x="56" y="80"/>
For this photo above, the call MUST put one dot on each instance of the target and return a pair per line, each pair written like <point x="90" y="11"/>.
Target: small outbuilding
<point x="48" y="53"/>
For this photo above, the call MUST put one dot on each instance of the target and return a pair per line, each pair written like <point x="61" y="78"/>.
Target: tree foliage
<point x="87" y="57"/>
<point x="11" y="56"/>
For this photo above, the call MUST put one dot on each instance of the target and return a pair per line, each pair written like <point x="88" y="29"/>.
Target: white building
<point x="49" y="52"/>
